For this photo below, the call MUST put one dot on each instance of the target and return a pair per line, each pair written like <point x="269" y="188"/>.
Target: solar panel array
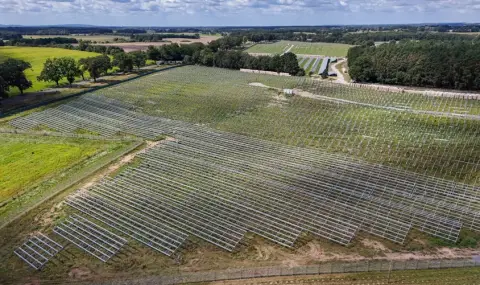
<point x="324" y="66"/>
<point x="38" y="250"/>
<point x="217" y="186"/>
<point x="90" y="237"/>
<point x="315" y="65"/>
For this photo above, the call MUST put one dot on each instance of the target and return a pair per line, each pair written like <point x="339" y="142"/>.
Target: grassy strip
<point x="25" y="204"/>
<point x="42" y="157"/>
<point x="428" y="277"/>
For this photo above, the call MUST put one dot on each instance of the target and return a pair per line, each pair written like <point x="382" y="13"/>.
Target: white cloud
<point x="235" y="8"/>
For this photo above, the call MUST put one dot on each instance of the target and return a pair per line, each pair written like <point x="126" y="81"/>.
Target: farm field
<point x="307" y="48"/>
<point x="96" y="38"/>
<point x="42" y="157"/>
<point x="37" y="56"/>
<point x="249" y="176"/>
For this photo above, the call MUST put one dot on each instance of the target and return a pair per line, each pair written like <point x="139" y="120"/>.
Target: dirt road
<point x="340" y="77"/>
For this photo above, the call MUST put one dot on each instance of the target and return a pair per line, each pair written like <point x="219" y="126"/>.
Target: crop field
<point x="37" y="56"/>
<point x="304" y="48"/>
<point x="332" y="162"/>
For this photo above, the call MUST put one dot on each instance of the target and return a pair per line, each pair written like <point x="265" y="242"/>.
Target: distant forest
<point x="440" y="64"/>
<point x="352" y="38"/>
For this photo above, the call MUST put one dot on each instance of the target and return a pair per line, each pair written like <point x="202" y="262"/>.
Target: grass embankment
<point x="37" y="56"/>
<point x="326" y="49"/>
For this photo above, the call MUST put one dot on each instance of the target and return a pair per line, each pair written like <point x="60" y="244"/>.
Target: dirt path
<point x="340" y="77"/>
<point x="306" y="94"/>
<point x="289" y="49"/>
<point x="123" y="161"/>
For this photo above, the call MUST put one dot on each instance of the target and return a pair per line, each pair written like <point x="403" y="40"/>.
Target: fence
<point x="324" y="268"/>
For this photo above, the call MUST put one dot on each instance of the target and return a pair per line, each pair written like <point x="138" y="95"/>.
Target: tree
<point x="52" y="71"/>
<point x="123" y="61"/>
<point x="97" y="66"/>
<point x="13" y="73"/>
<point x="70" y="68"/>
<point x="153" y="53"/>
<point x="187" y="59"/>
<point x="82" y="68"/>
<point x="82" y="45"/>
<point x="22" y="83"/>
<point x="3" y="87"/>
<point x="2" y="43"/>
<point x="290" y="64"/>
<point x="139" y="58"/>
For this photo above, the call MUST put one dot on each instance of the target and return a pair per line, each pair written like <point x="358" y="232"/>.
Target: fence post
<point x="389" y="272"/>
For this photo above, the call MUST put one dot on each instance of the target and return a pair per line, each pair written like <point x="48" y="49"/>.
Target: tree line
<point x="160" y="37"/>
<point x="225" y="53"/>
<point x="12" y="71"/>
<point x="347" y="37"/>
<point x="446" y="64"/>
<point x="42" y="41"/>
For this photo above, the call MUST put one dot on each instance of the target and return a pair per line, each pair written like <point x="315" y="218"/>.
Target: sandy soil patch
<point x="79" y="273"/>
<point x="378" y="246"/>
<point x="258" y="84"/>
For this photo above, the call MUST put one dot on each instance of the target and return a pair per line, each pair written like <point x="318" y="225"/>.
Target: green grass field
<point x="327" y="49"/>
<point x="37" y="57"/>
<point x="26" y="161"/>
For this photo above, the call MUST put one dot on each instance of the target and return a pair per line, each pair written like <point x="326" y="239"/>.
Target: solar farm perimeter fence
<point x="324" y="268"/>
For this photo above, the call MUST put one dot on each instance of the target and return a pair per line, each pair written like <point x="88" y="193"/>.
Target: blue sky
<point x="235" y="12"/>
